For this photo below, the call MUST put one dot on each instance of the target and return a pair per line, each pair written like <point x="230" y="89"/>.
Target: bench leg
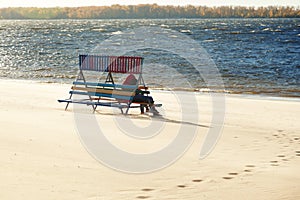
<point x="68" y="102"/>
<point x="94" y="108"/>
<point x="67" y="106"/>
<point x="127" y="109"/>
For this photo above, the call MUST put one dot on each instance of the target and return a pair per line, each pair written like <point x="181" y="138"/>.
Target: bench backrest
<point x="115" y="64"/>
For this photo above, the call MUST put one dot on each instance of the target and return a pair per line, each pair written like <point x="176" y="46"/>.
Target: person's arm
<point x="142" y="92"/>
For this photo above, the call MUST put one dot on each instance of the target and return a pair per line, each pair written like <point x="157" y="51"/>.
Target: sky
<point x="75" y="3"/>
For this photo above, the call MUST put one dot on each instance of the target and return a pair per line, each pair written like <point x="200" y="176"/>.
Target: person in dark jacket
<point x="140" y="97"/>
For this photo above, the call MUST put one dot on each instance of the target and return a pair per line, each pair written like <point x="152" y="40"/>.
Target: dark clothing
<point x="139" y="98"/>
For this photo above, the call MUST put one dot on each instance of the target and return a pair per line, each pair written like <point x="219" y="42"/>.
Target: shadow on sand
<point x="155" y="118"/>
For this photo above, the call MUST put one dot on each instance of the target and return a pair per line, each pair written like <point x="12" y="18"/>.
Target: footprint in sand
<point x="274" y="163"/>
<point x="197" y="180"/>
<point x="249" y="168"/>
<point x="297" y="153"/>
<point x="227" y="177"/>
<point x="232" y="174"/>
<point x="147" y="189"/>
<point x="181" y="186"/>
<point x="143" y="197"/>
<point x="283" y="158"/>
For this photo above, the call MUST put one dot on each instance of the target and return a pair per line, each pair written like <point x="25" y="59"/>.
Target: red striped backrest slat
<point x="116" y="64"/>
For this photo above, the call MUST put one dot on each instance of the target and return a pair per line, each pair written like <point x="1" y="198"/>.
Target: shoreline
<point x="192" y="90"/>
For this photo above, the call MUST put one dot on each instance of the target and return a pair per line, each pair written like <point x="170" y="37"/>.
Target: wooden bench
<point x="107" y="93"/>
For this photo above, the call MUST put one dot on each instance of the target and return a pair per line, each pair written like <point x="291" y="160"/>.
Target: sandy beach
<point x="42" y="157"/>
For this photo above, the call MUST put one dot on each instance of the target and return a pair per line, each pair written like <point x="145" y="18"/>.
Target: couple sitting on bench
<point x="144" y="101"/>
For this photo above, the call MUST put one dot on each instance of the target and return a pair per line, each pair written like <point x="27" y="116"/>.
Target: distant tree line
<point x="149" y="11"/>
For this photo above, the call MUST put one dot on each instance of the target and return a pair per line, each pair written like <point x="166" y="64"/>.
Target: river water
<point x="253" y="56"/>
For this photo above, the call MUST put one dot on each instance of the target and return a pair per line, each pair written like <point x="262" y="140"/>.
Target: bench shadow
<point x="155" y="118"/>
<point x="164" y="119"/>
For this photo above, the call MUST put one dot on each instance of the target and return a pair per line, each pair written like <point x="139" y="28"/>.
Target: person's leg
<point x="142" y="108"/>
<point x="152" y="105"/>
<point x="145" y="99"/>
<point x="140" y="99"/>
<point x="150" y="100"/>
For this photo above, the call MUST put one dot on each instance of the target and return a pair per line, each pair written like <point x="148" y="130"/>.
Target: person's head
<point x="130" y="80"/>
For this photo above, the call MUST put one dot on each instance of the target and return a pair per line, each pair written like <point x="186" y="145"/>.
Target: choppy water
<point x="256" y="56"/>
